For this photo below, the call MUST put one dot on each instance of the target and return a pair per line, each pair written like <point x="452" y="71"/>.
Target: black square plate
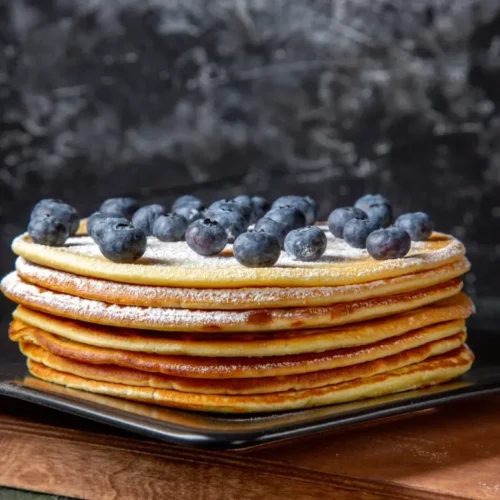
<point x="201" y="430"/>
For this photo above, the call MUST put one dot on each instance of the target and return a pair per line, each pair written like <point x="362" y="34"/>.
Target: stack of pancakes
<point x="205" y="333"/>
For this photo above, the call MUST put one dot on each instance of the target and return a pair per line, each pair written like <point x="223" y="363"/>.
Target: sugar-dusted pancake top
<point x="175" y="264"/>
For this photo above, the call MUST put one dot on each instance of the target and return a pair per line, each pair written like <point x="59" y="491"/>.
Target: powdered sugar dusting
<point x="175" y="264"/>
<point x="209" y="298"/>
<point x="179" y="254"/>
<point x="204" y="320"/>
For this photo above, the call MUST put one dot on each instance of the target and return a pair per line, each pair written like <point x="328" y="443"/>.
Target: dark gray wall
<point x="333" y="99"/>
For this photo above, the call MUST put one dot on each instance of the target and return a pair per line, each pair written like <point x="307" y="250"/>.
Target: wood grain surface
<point x="451" y="452"/>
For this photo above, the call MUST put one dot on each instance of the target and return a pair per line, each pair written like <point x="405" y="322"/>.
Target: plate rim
<point x="192" y="437"/>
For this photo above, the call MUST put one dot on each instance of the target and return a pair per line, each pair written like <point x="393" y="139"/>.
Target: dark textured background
<point x="331" y="98"/>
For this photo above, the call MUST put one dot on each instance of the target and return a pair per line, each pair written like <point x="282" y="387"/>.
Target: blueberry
<point x="190" y="212"/>
<point x="48" y="230"/>
<point x="254" y="249"/>
<point x="377" y="208"/>
<point x="97" y="222"/>
<point x="125" y="207"/>
<point x="246" y="206"/>
<point x="270" y="226"/>
<point x="418" y="225"/>
<point x="390" y="243"/>
<point x="245" y="203"/>
<point x="290" y="217"/>
<point x="341" y="216"/>
<point x="187" y="200"/>
<point x="305" y="244"/>
<point x="314" y="205"/>
<point x="122" y="242"/>
<point x="206" y="237"/>
<point x="62" y="211"/>
<point x="259" y="207"/>
<point x="356" y="231"/>
<point x="93" y="219"/>
<point x="300" y="203"/>
<point x="232" y="221"/>
<point x="170" y="227"/>
<point x="144" y="217"/>
<point x="244" y="210"/>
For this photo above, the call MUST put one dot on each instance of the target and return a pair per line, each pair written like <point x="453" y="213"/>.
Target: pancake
<point x="237" y="367"/>
<point x="277" y="343"/>
<point x="175" y="264"/>
<point x="199" y="420"/>
<point x="432" y="371"/>
<point x="263" y="385"/>
<point x="230" y="298"/>
<point x="185" y="320"/>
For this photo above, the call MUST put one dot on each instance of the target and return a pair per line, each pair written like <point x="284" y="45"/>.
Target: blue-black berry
<point x="98" y="221"/>
<point x="48" y="230"/>
<point x="305" y="244"/>
<point x="341" y="216"/>
<point x="206" y="237"/>
<point x="122" y="242"/>
<point x="190" y="212"/>
<point x="170" y="227"/>
<point x="243" y="209"/>
<point x="145" y="217"/>
<point x="356" y="231"/>
<point x="254" y="249"/>
<point x="418" y="225"/>
<point x="62" y="211"/>
<point x="245" y="201"/>
<point x="259" y="207"/>
<point x="92" y="220"/>
<point x="124" y="207"/>
<point x="187" y="200"/>
<point x="232" y="221"/>
<point x="390" y="243"/>
<point x="377" y="208"/>
<point x="314" y="205"/>
<point x="290" y="217"/>
<point x="270" y="226"/>
<point x="299" y="202"/>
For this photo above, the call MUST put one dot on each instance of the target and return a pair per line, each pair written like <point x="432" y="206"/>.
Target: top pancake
<point x="175" y="264"/>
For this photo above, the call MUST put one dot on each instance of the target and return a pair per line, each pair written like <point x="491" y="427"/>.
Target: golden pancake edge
<point x="186" y="320"/>
<point x="435" y="370"/>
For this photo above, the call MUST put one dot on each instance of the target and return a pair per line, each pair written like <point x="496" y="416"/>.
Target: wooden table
<point x="451" y="452"/>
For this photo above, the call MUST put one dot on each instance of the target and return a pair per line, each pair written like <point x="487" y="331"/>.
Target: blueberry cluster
<point x="275" y="227"/>
<point x="120" y="227"/>
<point x="369" y="224"/>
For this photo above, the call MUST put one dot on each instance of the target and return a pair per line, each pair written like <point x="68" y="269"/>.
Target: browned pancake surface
<point x="276" y="343"/>
<point x="435" y="370"/>
<point x="262" y="385"/>
<point x="237" y="367"/>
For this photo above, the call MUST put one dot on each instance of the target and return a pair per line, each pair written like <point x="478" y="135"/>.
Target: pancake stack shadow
<point x="179" y="330"/>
